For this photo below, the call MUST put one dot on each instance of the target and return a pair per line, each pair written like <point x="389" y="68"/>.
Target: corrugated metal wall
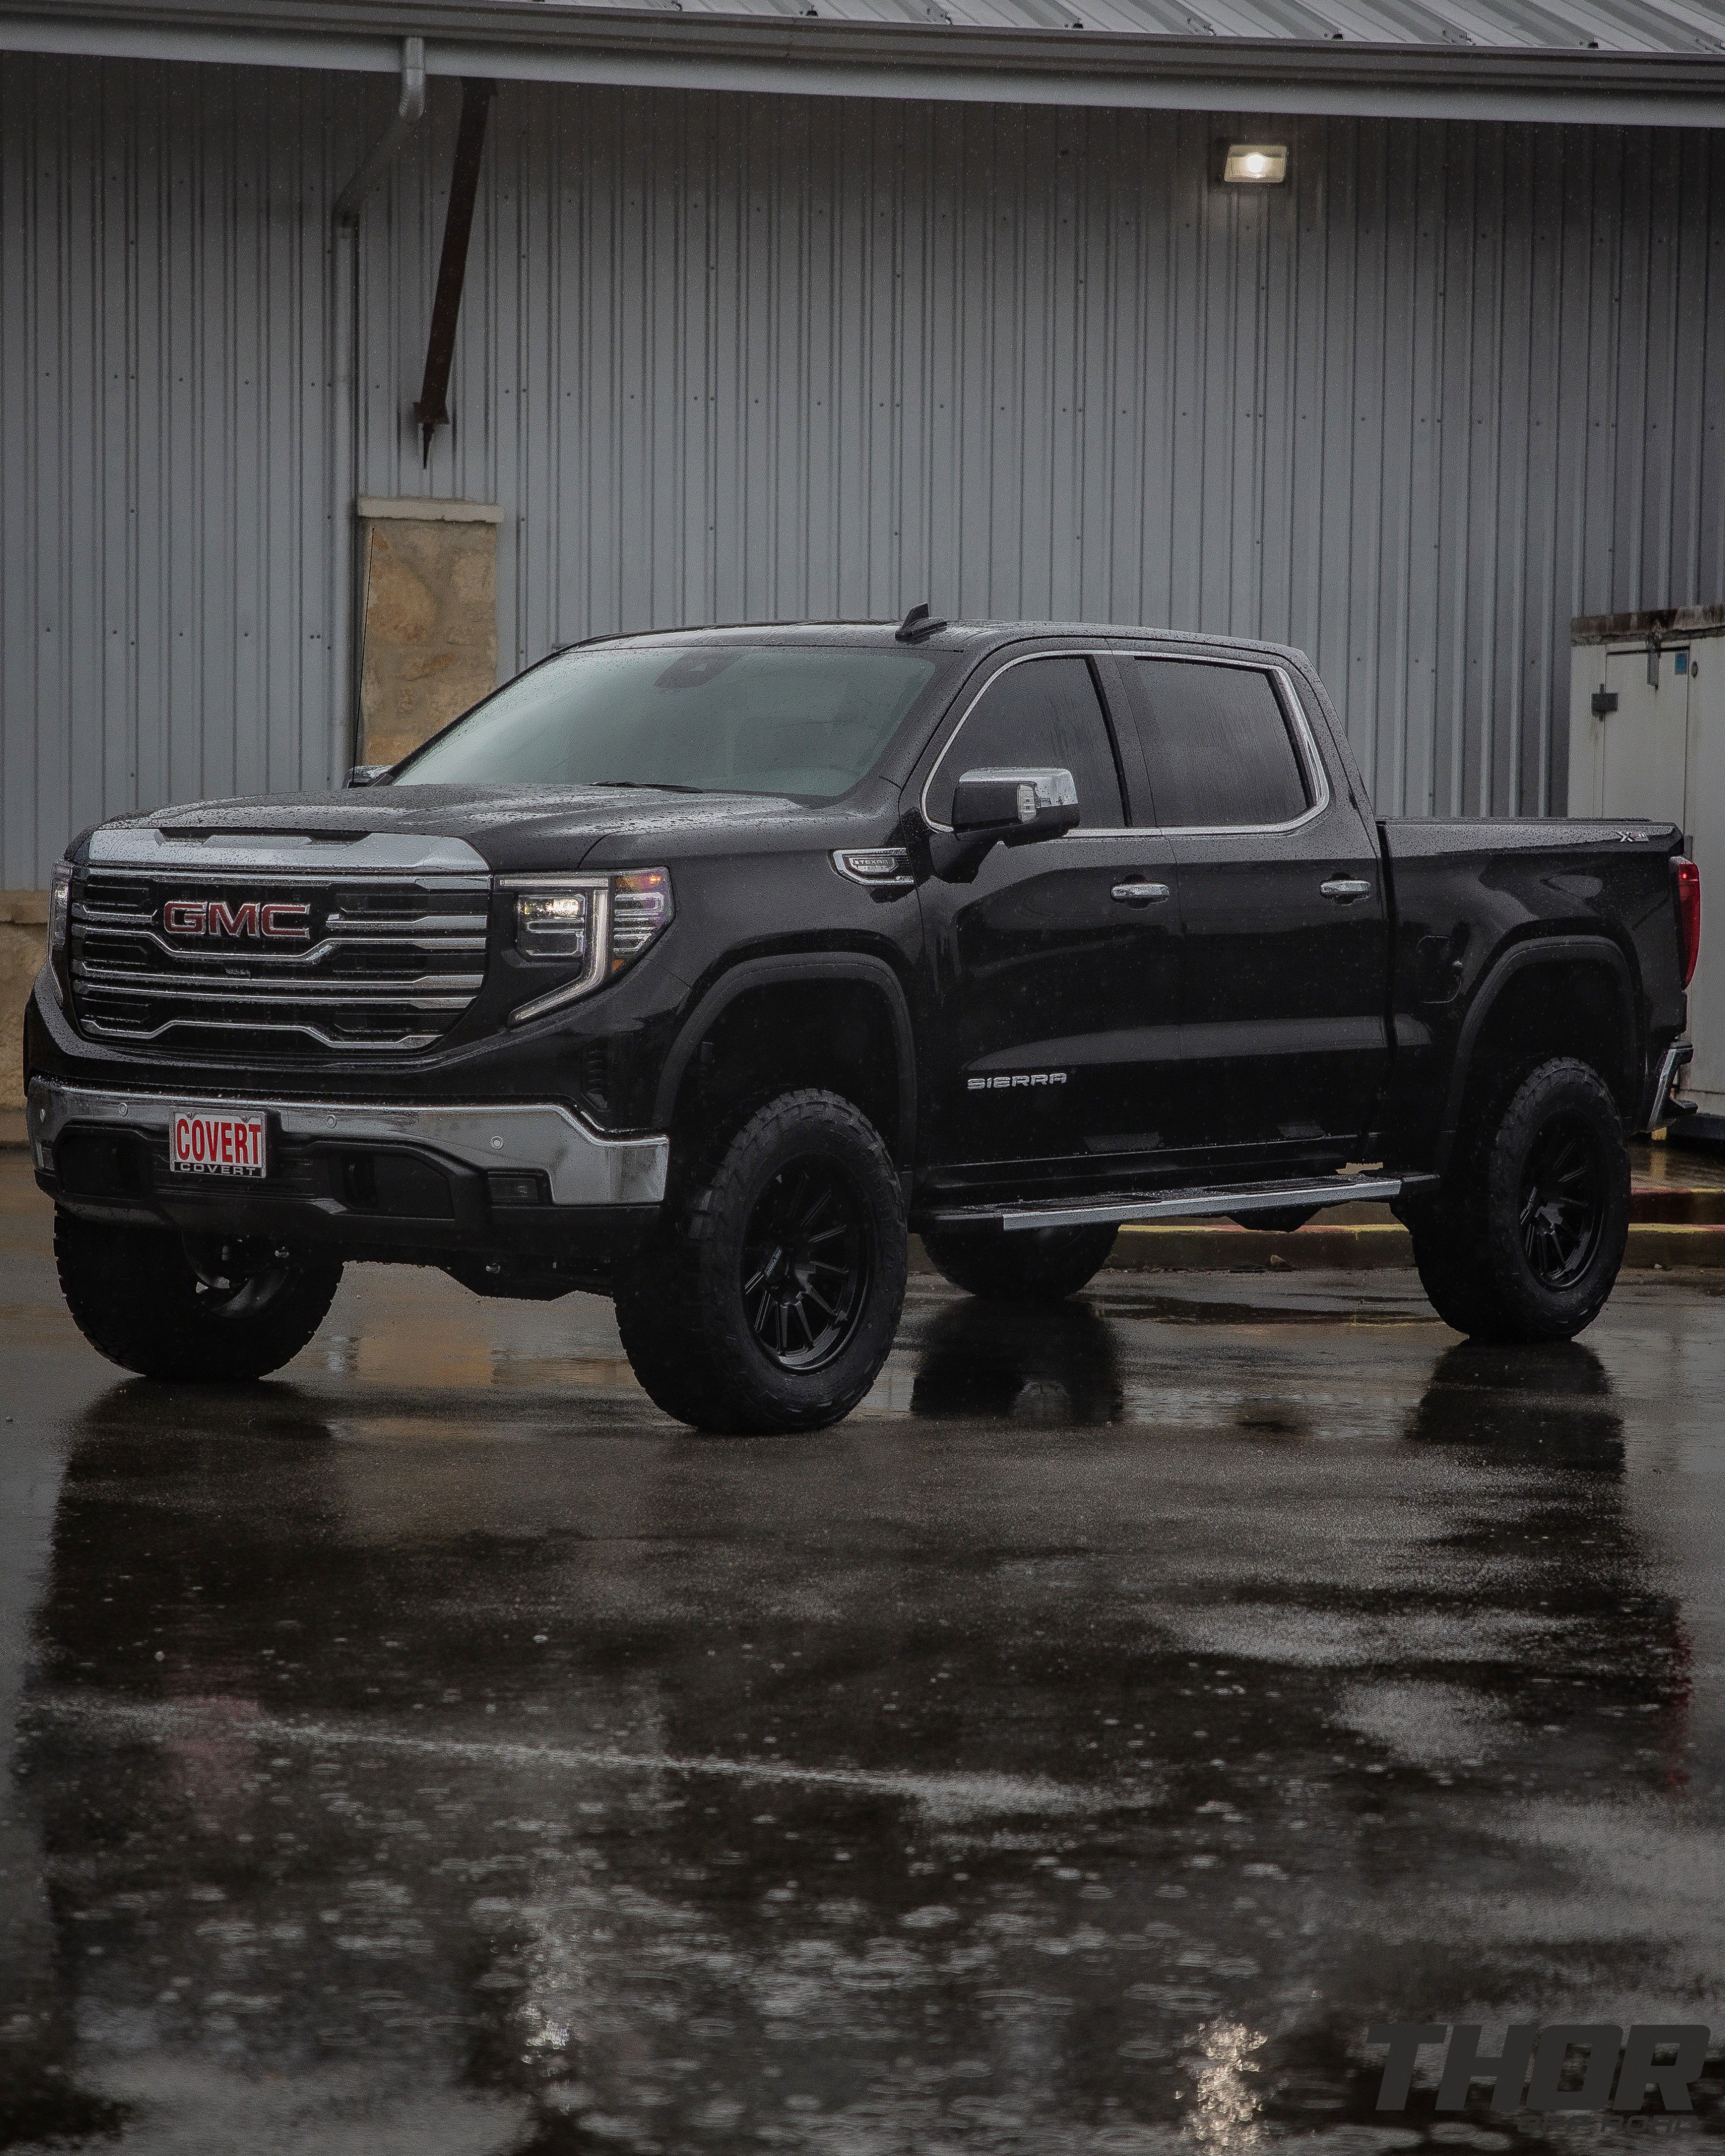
<point x="730" y="358"/>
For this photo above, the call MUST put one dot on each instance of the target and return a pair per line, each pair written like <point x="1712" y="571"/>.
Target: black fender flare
<point x="809" y="969"/>
<point x="1541" y="951"/>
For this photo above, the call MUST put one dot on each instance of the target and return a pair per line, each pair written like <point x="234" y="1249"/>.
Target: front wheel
<point x="770" y="1302"/>
<point x="204" y="1307"/>
<point x="1525" y="1242"/>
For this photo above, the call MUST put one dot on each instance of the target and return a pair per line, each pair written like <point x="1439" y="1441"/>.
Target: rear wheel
<point x="1525" y="1242"/>
<point x="221" y="1310"/>
<point x="770" y="1302"/>
<point x="1032" y="1265"/>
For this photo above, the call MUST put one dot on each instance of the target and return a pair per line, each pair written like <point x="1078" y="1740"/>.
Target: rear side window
<point x="1042" y="711"/>
<point x="1217" y="745"/>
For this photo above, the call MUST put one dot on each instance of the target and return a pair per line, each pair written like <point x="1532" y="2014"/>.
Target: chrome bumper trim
<point x="584" y="1168"/>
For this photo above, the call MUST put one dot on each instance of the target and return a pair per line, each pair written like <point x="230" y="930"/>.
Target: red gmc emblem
<point x="278" y="920"/>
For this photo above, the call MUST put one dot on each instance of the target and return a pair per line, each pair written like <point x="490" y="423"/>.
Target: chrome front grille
<point x="372" y="962"/>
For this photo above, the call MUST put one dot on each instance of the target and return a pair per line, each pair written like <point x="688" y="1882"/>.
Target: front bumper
<point x="373" y="1178"/>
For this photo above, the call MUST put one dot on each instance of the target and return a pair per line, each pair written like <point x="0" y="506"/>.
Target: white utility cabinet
<point x="1647" y="738"/>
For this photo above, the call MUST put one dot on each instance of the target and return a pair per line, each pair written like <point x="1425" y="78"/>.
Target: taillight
<point x="1686" y="875"/>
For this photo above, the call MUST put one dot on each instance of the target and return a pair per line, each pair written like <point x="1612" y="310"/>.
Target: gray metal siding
<point x="733" y="358"/>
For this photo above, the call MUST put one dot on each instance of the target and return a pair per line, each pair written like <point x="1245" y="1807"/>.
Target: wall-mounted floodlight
<point x="1255" y="164"/>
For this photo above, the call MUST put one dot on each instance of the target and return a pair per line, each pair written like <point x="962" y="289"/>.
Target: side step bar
<point x="1196" y="1205"/>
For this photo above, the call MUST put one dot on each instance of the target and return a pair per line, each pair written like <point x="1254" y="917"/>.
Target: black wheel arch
<point x="1568" y="962"/>
<point x="802" y="970"/>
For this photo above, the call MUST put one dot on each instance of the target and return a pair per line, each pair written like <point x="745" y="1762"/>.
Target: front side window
<point x="751" y="719"/>
<point x="1039" y="713"/>
<point x="1216" y="744"/>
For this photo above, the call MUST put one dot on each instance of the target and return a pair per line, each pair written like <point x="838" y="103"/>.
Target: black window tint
<point x="1217" y="745"/>
<point x="1043" y="712"/>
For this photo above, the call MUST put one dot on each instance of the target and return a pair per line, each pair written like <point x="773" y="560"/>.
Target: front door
<point x="1055" y="973"/>
<point x="1284" y="1050"/>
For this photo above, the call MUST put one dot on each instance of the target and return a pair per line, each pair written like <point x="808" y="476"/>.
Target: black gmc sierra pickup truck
<point x="699" y="969"/>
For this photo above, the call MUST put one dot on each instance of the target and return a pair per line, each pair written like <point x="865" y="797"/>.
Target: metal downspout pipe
<point x="344" y="416"/>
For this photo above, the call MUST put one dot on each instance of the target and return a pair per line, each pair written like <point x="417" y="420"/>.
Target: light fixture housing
<point x="1255" y="164"/>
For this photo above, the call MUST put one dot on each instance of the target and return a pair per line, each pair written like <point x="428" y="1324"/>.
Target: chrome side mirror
<point x="1016" y="805"/>
<point x="996" y="808"/>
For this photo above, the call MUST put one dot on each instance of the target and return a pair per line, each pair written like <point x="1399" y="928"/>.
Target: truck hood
<point x="528" y="829"/>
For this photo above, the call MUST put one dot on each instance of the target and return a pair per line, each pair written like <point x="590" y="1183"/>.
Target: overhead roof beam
<point x="658" y="49"/>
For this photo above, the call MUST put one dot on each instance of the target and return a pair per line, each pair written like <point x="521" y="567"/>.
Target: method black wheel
<point x="1034" y="1265"/>
<point x="205" y="1308"/>
<point x="769" y="1302"/>
<point x="1525" y="1241"/>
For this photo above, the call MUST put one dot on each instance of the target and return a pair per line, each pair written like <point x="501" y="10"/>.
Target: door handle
<point x="1344" y="889"/>
<point x="1140" y="893"/>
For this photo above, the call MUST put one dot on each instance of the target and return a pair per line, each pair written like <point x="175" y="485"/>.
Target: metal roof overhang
<point x="660" y="48"/>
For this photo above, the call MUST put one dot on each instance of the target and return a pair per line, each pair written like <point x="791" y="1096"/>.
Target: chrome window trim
<point x="1027" y="658"/>
<point x="1305" y="749"/>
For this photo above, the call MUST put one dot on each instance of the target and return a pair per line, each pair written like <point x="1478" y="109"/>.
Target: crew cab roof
<point x="975" y="637"/>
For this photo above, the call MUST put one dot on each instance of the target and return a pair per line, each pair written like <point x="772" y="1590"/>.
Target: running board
<point x="1199" y="1205"/>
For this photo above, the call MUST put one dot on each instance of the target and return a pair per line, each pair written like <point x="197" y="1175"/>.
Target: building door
<point x="1056" y="973"/>
<point x="1641" y="744"/>
<point x="1644" y="744"/>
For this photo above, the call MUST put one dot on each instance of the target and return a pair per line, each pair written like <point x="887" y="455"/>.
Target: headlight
<point x="554" y="924"/>
<point x="640" y="907"/>
<point x="597" y="924"/>
<point x="60" y="908"/>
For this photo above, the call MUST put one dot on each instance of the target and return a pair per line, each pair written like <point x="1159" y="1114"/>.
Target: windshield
<point x="751" y="719"/>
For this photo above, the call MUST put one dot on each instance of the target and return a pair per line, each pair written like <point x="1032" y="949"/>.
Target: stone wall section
<point x="427" y="618"/>
<point x="23" y="923"/>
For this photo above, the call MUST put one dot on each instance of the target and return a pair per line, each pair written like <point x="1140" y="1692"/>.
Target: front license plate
<point x="202" y="1141"/>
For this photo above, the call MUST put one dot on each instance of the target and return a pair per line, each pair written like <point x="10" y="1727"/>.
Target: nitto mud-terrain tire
<point x="1032" y="1265"/>
<point x="137" y="1296"/>
<point x="769" y="1300"/>
<point x="1525" y="1241"/>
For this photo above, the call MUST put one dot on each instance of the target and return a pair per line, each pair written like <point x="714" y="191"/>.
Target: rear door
<point x="1056" y="973"/>
<point x="1283" y="1047"/>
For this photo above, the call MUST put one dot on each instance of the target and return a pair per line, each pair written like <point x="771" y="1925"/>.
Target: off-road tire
<point x="135" y="1295"/>
<point x="697" y="1341"/>
<point x="1032" y="1265"/>
<point x="1487" y="1258"/>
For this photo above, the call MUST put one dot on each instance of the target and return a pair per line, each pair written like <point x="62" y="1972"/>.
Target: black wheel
<point x="769" y="1300"/>
<point x="220" y="1310"/>
<point x="1525" y="1239"/>
<point x="1032" y="1265"/>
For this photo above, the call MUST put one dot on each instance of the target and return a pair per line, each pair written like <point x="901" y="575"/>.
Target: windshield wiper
<point x="649" y="785"/>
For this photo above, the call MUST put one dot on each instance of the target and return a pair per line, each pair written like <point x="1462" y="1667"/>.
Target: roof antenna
<point x="915" y="625"/>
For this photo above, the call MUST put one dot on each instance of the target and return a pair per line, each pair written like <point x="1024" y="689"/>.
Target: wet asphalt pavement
<point x="435" y="1749"/>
